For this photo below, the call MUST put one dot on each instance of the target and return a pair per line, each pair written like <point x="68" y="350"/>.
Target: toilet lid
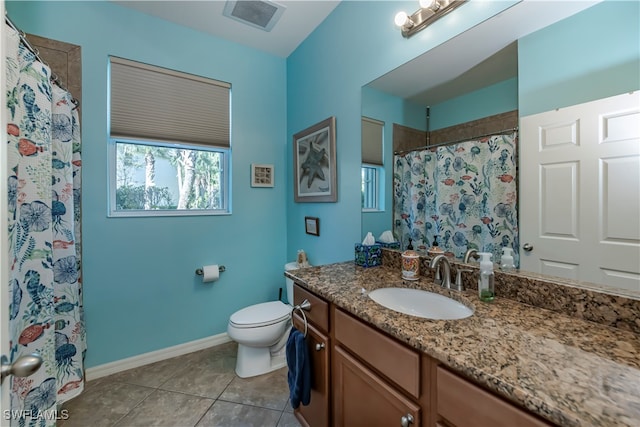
<point x="266" y="313"/>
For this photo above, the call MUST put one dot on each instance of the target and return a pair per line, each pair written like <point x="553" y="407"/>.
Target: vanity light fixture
<point x="429" y="12"/>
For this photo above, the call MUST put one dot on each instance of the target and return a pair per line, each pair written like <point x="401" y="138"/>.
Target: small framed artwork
<point x="261" y="175"/>
<point x="312" y="225"/>
<point x="314" y="163"/>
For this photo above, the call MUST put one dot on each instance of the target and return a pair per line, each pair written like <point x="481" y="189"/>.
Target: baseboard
<point x="155" y="356"/>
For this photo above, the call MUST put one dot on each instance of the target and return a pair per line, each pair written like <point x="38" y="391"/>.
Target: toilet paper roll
<point x="210" y="273"/>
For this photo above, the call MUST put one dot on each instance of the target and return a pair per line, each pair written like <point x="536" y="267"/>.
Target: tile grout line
<point x="205" y="412"/>
<point x="134" y="407"/>
<point x="279" y="413"/>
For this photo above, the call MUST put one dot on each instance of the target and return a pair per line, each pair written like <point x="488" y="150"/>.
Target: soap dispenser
<point x="486" y="287"/>
<point x="435" y="249"/>
<point x="506" y="261"/>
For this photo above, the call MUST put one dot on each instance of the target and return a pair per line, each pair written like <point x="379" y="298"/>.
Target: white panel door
<point x="580" y="192"/>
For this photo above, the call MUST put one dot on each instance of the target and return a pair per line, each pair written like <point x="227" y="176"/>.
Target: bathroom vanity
<point x="317" y="316"/>
<point x="510" y="364"/>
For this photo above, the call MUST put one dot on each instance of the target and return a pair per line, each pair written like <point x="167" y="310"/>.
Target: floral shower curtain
<point x="45" y="313"/>
<point x="464" y="193"/>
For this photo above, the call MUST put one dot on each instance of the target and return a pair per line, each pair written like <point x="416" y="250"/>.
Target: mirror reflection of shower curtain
<point x="464" y="193"/>
<point x="45" y="311"/>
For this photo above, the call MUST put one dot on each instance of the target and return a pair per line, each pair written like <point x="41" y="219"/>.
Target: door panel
<point x="559" y="269"/>
<point x="361" y="398"/>
<point x="559" y="200"/>
<point x="580" y="191"/>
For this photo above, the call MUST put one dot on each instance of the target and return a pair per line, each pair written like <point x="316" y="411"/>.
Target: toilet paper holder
<point x="200" y="272"/>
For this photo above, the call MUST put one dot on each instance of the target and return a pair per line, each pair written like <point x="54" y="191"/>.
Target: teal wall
<point x="356" y="44"/>
<point x="140" y="290"/>
<point x="139" y="287"/>
<point x="495" y="99"/>
<point x="591" y="55"/>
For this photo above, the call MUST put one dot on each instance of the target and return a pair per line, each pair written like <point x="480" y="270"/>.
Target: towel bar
<point x="302" y="307"/>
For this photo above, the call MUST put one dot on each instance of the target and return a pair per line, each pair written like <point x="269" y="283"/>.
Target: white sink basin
<point x="416" y="302"/>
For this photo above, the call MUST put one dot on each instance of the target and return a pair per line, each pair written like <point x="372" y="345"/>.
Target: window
<point x="170" y="148"/>
<point x="372" y="164"/>
<point x="370" y="188"/>
<point x="160" y="177"/>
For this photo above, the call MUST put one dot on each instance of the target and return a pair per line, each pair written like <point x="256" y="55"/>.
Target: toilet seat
<point x="259" y="315"/>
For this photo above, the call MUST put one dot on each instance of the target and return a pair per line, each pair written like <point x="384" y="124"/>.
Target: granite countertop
<point x="569" y="371"/>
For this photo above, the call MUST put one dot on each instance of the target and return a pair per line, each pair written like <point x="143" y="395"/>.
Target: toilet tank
<point x="288" y="267"/>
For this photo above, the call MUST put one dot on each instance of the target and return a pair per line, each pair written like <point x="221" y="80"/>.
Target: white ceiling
<point x="299" y="20"/>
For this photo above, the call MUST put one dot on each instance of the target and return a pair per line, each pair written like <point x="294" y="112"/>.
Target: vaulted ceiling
<point x="299" y="19"/>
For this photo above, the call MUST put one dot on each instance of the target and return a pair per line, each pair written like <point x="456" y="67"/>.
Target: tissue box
<point x="392" y="245"/>
<point x="368" y="255"/>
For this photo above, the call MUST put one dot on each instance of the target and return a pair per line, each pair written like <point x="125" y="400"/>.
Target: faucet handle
<point x="458" y="285"/>
<point x="471" y="253"/>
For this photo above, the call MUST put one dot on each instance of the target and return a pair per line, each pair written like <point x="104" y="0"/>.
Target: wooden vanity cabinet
<point x="463" y="404"/>
<point x="363" y="398"/>
<point x="363" y="377"/>
<point x="317" y="412"/>
<point x="376" y="380"/>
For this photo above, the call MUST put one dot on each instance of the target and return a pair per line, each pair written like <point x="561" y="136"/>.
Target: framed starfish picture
<point x="314" y="163"/>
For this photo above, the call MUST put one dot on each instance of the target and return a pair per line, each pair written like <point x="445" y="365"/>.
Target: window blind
<point x="372" y="141"/>
<point x="158" y="104"/>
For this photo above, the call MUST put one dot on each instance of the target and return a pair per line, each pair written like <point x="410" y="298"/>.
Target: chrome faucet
<point x="436" y="261"/>
<point x="471" y="253"/>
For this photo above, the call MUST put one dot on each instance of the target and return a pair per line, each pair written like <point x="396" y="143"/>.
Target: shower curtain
<point x="45" y="292"/>
<point x="464" y="193"/>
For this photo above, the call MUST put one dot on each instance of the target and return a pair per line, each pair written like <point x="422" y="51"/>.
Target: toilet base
<point x="253" y="361"/>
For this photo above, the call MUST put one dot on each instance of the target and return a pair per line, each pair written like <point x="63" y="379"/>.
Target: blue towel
<point x="299" y="364"/>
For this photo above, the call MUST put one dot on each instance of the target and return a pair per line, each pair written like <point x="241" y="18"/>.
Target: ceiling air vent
<point x="260" y="14"/>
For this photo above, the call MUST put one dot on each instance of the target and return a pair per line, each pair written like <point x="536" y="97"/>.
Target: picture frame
<point x="314" y="163"/>
<point x="262" y="175"/>
<point x="312" y="225"/>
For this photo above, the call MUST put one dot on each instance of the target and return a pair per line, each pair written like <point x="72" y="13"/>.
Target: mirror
<point x="482" y="57"/>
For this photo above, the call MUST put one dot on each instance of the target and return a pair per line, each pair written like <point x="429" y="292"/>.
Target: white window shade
<point x="372" y="141"/>
<point x="159" y="104"/>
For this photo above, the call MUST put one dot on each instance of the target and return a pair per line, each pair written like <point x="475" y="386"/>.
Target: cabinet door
<point x="316" y="413"/>
<point x="361" y="398"/>
<point x="463" y="404"/>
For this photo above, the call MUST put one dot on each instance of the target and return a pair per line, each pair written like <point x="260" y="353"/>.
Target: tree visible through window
<point x="167" y="158"/>
<point x="159" y="177"/>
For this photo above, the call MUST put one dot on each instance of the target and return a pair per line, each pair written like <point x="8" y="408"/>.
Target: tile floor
<point x="198" y="389"/>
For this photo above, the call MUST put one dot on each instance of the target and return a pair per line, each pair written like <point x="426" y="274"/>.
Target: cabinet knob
<point x="406" y="420"/>
<point x="319" y="346"/>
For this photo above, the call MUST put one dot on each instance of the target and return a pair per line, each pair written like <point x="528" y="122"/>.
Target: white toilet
<point x="261" y="331"/>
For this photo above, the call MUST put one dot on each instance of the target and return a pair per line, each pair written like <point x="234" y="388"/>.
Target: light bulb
<point x="425" y="4"/>
<point x="401" y="19"/>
